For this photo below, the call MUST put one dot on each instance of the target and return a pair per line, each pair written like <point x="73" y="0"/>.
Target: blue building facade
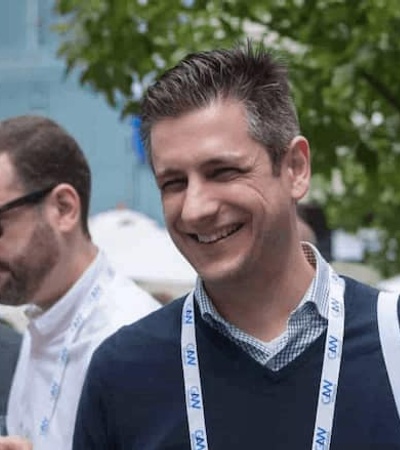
<point x="33" y="81"/>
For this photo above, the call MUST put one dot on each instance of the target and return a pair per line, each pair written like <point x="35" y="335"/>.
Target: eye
<point x="225" y="173"/>
<point x="172" y="185"/>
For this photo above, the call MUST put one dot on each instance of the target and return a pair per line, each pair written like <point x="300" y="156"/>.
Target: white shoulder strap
<point x="389" y="332"/>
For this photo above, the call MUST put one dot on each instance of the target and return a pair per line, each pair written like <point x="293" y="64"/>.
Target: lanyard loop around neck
<point x="329" y="376"/>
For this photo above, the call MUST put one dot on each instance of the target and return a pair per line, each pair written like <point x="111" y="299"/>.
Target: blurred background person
<point x="47" y="259"/>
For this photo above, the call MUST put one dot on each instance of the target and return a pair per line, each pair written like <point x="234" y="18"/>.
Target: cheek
<point x="12" y="249"/>
<point x="171" y="208"/>
<point x="167" y="216"/>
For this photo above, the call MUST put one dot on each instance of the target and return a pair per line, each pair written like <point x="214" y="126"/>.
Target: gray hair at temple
<point x="248" y="74"/>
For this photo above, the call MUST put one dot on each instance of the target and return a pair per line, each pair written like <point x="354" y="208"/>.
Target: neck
<point x="260" y="306"/>
<point x="66" y="273"/>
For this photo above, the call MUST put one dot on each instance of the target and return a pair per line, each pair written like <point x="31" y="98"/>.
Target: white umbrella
<point x="139" y="248"/>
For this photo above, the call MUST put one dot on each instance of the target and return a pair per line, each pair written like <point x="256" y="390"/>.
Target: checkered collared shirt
<point x="305" y="323"/>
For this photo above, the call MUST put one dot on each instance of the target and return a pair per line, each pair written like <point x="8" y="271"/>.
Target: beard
<point x="26" y="272"/>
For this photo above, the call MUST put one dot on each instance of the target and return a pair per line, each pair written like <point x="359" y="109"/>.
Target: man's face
<point x="225" y="210"/>
<point x="28" y="245"/>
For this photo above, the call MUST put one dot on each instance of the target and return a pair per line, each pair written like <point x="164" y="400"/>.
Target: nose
<point x="200" y="203"/>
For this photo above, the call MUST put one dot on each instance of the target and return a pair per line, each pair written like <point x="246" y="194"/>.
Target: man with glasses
<point x="48" y="261"/>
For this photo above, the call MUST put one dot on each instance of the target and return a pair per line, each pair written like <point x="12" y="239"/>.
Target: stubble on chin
<point x="28" y="271"/>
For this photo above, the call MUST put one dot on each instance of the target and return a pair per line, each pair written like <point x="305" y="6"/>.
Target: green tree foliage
<point x="343" y="59"/>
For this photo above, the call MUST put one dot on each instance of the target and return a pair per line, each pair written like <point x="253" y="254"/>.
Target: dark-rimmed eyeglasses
<point x="28" y="199"/>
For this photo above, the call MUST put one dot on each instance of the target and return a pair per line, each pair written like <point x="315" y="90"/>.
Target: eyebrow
<point x="212" y="162"/>
<point x="217" y="161"/>
<point x="165" y="173"/>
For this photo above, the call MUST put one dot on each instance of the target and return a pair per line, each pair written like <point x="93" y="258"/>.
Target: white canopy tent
<point x="390" y="284"/>
<point x="142" y="250"/>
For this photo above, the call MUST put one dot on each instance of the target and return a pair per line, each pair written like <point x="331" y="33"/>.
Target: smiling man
<point x="272" y="349"/>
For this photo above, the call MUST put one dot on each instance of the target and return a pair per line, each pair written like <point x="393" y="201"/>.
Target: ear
<point x="65" y="207"/>
<point x="298" y="166"/>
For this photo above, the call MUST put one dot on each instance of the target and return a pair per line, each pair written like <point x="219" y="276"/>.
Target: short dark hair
<point x="245" y="73"/>
<point x="44" y="154"/>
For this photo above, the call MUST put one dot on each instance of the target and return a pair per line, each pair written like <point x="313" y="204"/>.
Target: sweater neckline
<point x="238" y="356"/>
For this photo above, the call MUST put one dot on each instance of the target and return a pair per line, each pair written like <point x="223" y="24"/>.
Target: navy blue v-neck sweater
<point x="133" y="397"/>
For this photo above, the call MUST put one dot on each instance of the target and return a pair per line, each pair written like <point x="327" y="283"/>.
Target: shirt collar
<point x="316" y="294"/>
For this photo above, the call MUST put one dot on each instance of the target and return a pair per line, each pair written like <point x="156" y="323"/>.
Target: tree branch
<point x="381" y="88"/>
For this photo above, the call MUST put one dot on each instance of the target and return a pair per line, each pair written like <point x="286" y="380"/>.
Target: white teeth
<point x="207" y="239"/>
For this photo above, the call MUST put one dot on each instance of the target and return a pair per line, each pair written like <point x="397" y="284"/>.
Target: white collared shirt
<point x="123" y="302"/>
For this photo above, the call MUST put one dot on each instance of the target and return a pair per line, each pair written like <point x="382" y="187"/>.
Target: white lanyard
<point x="191" y="377"/>
<point x="88" y="305"/>
<point x="331" y="365"/>
<point x="329" y="376"/>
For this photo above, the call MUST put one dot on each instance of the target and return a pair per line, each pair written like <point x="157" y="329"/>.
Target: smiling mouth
<point x="218" y="236"/>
